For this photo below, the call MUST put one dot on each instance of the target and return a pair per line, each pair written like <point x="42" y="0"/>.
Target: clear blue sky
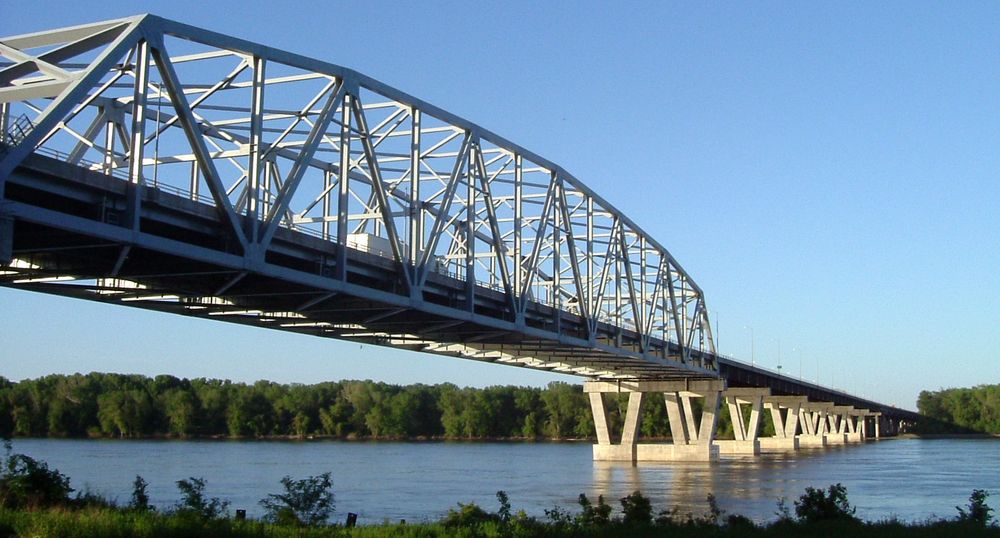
<point x="828" y="174"/>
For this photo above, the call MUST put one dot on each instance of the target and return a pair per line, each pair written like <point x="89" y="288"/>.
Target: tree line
<point x="120" y="405"/>
<point x="976" y="408"/>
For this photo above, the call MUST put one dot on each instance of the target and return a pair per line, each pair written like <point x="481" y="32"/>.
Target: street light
<point x="718" y="348"/>
<point x="753" y="352"/>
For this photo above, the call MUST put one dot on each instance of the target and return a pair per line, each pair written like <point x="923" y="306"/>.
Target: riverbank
<point x="948" y="436"/>
<point x="352" y="438"/>
<point x="110" y="523"/>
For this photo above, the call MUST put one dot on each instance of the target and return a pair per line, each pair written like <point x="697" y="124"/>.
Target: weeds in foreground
<point x="978" y="511"/>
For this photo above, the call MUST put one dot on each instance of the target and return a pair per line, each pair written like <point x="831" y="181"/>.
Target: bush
<point x="504" y="513"/>
<point x="193" y="501"/>
<point x="636" y="509"/>
<point x="308" y="501"/>
<point x="815" y="505"/>
<point x="593" y="516"/>
<point x="467" y="516"/>
<point x="140" y="499"/>
<point x="979" y="511"/>
<point x="29" y="483"/>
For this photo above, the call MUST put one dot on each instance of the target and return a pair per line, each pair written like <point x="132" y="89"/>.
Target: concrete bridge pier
<point x="856" y="425"/>
<point x="813" y="422"/>
<point x="745" y="430"/>
<point x="839" y="416"/>
<point x="692" y="440"/>
<point x="785" y="416"/>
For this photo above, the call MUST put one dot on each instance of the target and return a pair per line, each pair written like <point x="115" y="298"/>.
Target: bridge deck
<point x="153" y="164"/>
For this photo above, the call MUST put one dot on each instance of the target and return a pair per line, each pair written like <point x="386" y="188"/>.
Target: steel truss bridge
<point x="152" y="164"/>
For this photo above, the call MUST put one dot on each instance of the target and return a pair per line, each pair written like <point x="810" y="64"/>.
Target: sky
<point x="828" y="175"/>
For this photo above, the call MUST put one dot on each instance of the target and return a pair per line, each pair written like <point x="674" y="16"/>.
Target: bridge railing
<point x="281" y="140"/>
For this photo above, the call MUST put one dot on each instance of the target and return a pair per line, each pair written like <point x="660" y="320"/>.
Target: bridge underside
<point x="153" y="164"/>
<point x="65" y="240"/>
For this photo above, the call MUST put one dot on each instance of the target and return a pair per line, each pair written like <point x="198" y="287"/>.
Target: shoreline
<point x="321" y="438"/>
<point x="948" y="436"/>
<point x="437" y="439"/>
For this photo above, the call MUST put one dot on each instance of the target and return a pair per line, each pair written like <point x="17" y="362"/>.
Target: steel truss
<point x="421" y="230"/>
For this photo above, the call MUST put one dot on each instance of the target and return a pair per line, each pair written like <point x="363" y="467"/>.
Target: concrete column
<point x="691" y="441"/>
<point x="746" y="432"/>
<point x="600" y="418"/>
<point x="814" y="424"/>
<point x="630" y="433"/>
<point x="856" y="425"/>
<point x="839" y="416"/>
<point x="688" y="411"/>
<point x="786" y="424"/>
<point x="709" y="417"/>
<point x="806" y="422"/>
<point x="678" y="429"/>
<point x="878" y="425"/>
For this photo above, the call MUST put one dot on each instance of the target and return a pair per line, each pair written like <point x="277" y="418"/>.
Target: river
<point x="912" y="479"/>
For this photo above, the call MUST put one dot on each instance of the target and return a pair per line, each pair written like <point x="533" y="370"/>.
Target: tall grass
<point x="114" y="523"/>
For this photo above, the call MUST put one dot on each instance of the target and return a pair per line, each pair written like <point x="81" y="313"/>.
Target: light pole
<point x="753" y="350"/>
<point x="718" y="348"/>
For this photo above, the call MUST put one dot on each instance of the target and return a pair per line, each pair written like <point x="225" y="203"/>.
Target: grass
<point x="113" y="523"/>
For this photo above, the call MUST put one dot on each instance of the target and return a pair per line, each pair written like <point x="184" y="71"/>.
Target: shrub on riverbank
<point x="102" y="522"/>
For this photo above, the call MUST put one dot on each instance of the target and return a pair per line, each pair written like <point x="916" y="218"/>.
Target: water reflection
<point x="913" y="479"/>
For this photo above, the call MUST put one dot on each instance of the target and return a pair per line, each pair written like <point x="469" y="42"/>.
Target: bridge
<point x="152" y="164"/>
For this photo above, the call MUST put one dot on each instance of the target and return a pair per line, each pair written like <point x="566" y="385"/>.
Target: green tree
<point x="636" y="510"/>
<point x="29" y="483"/>
<point x="978" y="512"/>
<point x="140" y="498"/>
<point x="249" y="413"/>
<point x="180" y="406"/>
<point x="817" y="505"/>
<point x="125" y="413"/>
<point x="308" y="501"/>
<point x="194" y="502"/>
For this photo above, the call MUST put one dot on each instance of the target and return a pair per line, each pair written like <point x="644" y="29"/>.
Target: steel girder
<point x="276" y="146"/>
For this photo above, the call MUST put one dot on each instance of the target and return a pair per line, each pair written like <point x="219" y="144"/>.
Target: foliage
<point x="106" y="520"/>
<point x="140" y="498"/>
<point x="308" y="501"/>
<point x="593" y="516"/>
<point x="467" y="515"/>
<point x="636" y="510"/>
<point x="28" y="483"/>
<point x="978" y="511"/>
<point x="970" y="409"/>
<point x="816" y="505"/>
<point x="783" y="512"/>
<point x="118" y="405"/>
<point x="503" y="514"/>
<point x="194" y="502"/>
